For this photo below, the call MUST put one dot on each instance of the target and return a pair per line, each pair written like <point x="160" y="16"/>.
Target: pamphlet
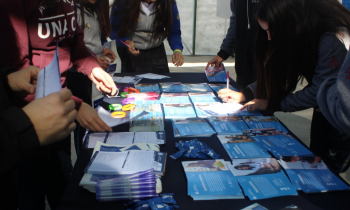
<point x="110" y="121"/>
<point x="147" y="87"/>
<point x="191" y="127"/>
<point x="256" y="122"/>
<point x="152" y="109"/>
<point x="211" y="180"/>
<point x="178" y="111"/>
<point x="216" y="74"/>
<point x="198" y="87"/>
<point x="174" y="98"/>
<point x="173" y="87"/>
<point x="225" y="125"/>
<point x="149" y="123"/>
<point x="203" y="97"/>
<point x="210" y="109"/>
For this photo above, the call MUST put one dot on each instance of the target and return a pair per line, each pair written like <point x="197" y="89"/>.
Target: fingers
<point x="64" y="94"/>
<point x="103" y="125"/>
<point x="69" y="106"/>
<point x="28" y="88"/>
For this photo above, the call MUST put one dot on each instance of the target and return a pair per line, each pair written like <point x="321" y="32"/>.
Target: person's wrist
<point x="178" y="50"/>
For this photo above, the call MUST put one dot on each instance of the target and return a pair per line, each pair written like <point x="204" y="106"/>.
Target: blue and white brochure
<point x="174" y="98"/>
<point x="261" y="178"/>
<point x="147" y="87"/>
<point x="210" y="109"/>
<point x="256" y="122"/>
<point x="216" y="74"/>
<point x="155" y="109"/>
<point x="182" y="110"/>
<point x="217" y="87"/>
<point x="227" y="124"/>
<point x="310" y="174"/>
<point x="211" y="180"/>
<point x="277" y="142"/>
<point x="142" y="101"/>
<point x="147" y="123"/>
<point x="241" y="146"/>
<point x="191" y="127"/>
<point x="206" y="97"/>
<point x="198" y="87"/>
<point x="173" y="87"/>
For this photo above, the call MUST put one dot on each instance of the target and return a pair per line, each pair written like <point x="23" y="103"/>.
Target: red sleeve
<point x="80" y="55"/>
<point x="14" y="38"/>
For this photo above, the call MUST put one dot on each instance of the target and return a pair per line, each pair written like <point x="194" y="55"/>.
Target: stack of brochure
<point x="198" y="87"/>
<point x="182" y="110"/>
<point x="216" y="74"/>
<point x="147" y="87"/>
<point x="174" y="98"/>
<point x="211" y="180"/>
<point x="256" y="122"/>
<point x="173" y="87"/>
<point x="225" y="125"/>
<point x="310" y="174"/>
<point x="261" y="178"/>
<point x="191" y="127"/>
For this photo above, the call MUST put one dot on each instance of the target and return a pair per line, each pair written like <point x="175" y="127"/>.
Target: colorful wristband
<point x="178" y="51"/>
<point x="123" y="94"/>
<point x="115" y="107"/>
<point x="118" y="114"/>
<point x="128" y="107"/>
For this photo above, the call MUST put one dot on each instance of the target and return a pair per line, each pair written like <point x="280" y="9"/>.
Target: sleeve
<point x="116" y="24"/>
<point x="14" y="36"/>
<point x="174" y="37"/>
<point x="228" y="44"/>
<point x="333" y="98"/>
<point x="80" y="54"/>
<point x="331" y="54"/>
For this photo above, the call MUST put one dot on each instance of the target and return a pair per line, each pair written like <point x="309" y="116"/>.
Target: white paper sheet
<point x="120" y="138"/>
<point x="96" y="137"/>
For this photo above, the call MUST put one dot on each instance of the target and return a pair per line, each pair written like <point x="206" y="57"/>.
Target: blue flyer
<point x="191" y="127"/>
<point x="207" y="97"/>
<point x="145" y="87"/>
<point x="210" y="109"/>
<point x="155" y="109"/>
<point x="256" y="122"/>
<point x="174" y="98"/>
<point x="227" y="124"/>
<point x="173" y="87"/>
<point x="244" y="150"/>
<point x="217" y="87"/>
<point x="178" y="111"/>
<point x="198" y="87"/>
<point x="216" y="74"/>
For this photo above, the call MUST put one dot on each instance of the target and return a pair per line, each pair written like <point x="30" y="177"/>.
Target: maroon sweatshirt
<point x="29" y="34"/>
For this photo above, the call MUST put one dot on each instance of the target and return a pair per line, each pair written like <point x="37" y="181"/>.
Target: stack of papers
<point x="152" y="76"/>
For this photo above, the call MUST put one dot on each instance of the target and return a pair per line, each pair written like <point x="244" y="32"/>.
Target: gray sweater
<point x="333" y="98"/>
<point x="331" y="52"/>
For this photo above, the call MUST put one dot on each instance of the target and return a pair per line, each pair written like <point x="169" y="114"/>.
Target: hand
<point x="231" y="96"/>
<point x="132" y="50"/>
<point x="217" y="61"/>
<point x="103" y="62"/>
<point x="52" y="116"/>
<point x="89" y="119"/>
<point x="103" y="81"/>
<point x="24" y="81"/>
<point x="110" y="54"/>
<point x="178" y="59"/>
<point x="255" y="104"/>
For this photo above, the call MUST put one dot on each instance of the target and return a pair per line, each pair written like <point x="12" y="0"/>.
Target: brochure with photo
<point x="191" y="127"/>
<point x="198" y="87"/>
<point x="147" y="87"/>
<point x="148" y="123"/>
<point x="173" y="87"/>
<point x="216" y="74"/>
<point x="256" y="122"/>
<point x="224" y="125"/>
<point x="210" y="109"/>
<point x="181" y="110"/>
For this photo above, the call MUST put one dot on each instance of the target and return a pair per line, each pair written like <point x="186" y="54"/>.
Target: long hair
<point x="296" y="27"/>
<point x="101" y="7"/>
<point x="130" y="12"/>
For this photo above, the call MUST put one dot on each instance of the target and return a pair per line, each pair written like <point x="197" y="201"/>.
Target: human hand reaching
<point x="24" y="81"/>
<point x="89" y="119"/>
<point x="103" y="81"/>
<point x="231" y="96"/>
<point x="216" y="61"/>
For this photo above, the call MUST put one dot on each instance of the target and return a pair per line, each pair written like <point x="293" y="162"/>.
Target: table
<point x="175" y="181"/>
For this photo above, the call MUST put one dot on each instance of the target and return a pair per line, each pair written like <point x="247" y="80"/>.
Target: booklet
<point x="174" y="98"/>
<point x="310" y="174"/>
<point x="206" y="97"/>
<point x="211" y="180"/>
<point x="178" y="111"/>
<point x="198" y="87"/>
<point x="210" y="109"/>
<point x="217" y="87"/>
<point x="152" y="109"/>
<point x="261" y="178"/>
<point x="148" y="123"/>
<point x="216" y="74"/>
<point x="173" y="87"/>
<point x="147" y="87"/>
<point x="224" y="125"/>
<point x="119" y="163"/>
<point x="242" y="146"/>
<point x="191" y="127"/>
<point x="256" y="122"/>
<point x="277" y="142"/>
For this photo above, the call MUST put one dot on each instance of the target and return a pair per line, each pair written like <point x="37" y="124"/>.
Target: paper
<point x="129" y="80"/>
<point x="49" y="78"/>
<point x="110" y="121"/>
<point x="96" y="137"/>
<point x="149" y="137"/>
<point x="120" y="138"/>
<point x="152" y="76"/>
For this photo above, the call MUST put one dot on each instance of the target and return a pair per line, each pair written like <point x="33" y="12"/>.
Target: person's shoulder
<point x="340" y="33"/>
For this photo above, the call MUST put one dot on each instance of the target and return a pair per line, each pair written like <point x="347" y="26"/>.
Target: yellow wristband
<point x="178" y="51"/>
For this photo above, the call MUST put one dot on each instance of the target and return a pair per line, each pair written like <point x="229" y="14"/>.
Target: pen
<point x="127" y="45"/>
<point x="228" y="82"/>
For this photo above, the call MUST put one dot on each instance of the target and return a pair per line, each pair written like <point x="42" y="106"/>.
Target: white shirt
<point x="147" y="8"/>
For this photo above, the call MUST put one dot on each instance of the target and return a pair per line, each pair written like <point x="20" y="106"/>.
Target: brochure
<point x="211" y="180"/>
<point x="148" y="123"/>
<point x="178" y="111"/>
<point x="261" y="178"/>
<point x="191" y="127"/>
<point x="173" y="87"/>
<point x="241" y="146"/>
<point x="127" y="80"/>
<point x="147" y="87"/>
<point x="216" y="74"/>
<point x="152" y="109"/>
<point x="217" y="87"/>
<point x="224" y="125"/>
<point x="119" y="163"/>
<point x="277" y="142"/>
<point x="256" y="122"/>
<point x="198" y="87"/>
<point x="210" y="109"/>
<point x="207" y="97"/>
<point x="310" y="174"/>
<point x="150" y="137"/>
<point x="111" y="122"/>
<point x="174" y="98"/>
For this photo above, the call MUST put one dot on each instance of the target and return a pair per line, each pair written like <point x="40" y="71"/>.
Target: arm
<point x="331" y="51"/>
<point x="333" y="98"/>
<point x="115" y="24"/>
<point x="174" y="37"/>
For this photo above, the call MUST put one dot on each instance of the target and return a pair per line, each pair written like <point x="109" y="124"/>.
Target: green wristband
<point x="178" y="51"/>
